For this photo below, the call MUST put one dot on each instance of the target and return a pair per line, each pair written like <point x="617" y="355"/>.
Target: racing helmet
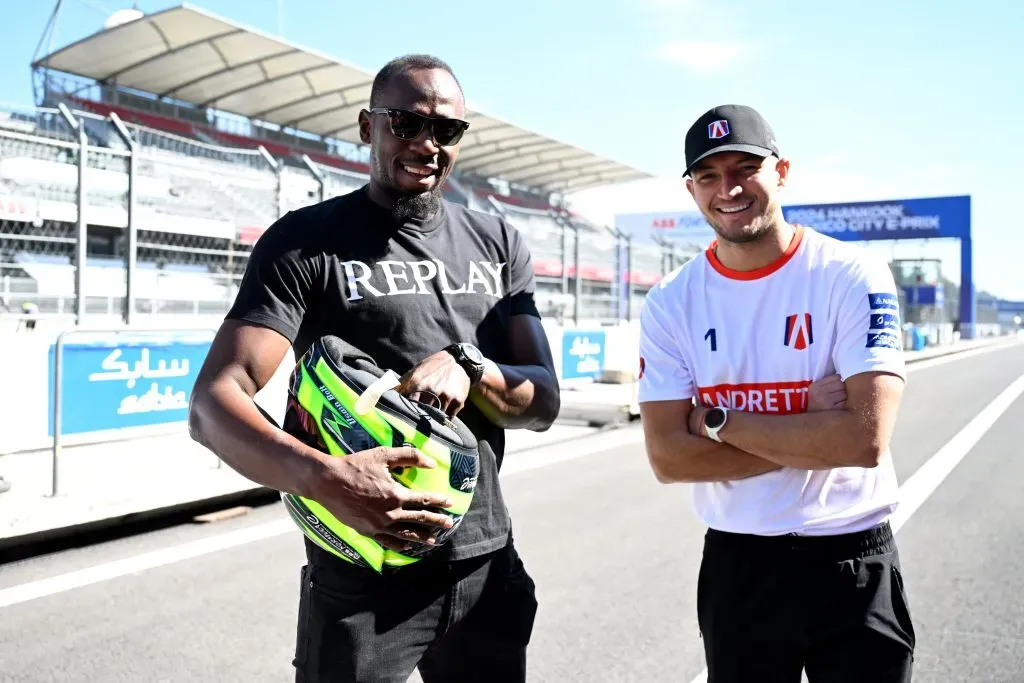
<point x="340" y="402"/>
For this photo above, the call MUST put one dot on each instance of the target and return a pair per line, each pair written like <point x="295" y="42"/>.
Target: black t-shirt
<point x="399" y="292"/>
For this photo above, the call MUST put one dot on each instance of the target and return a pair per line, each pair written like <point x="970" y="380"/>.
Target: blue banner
<point x="582" y="354"/>
<point x="895" y="219"/>
<point x="1004" y="306"/>
<point x="118" y="381"/>
<point x="898" y="219"/>
<point x="923" y="295"/>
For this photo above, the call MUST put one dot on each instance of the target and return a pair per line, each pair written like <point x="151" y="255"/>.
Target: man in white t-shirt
<point x="771" y="373"/>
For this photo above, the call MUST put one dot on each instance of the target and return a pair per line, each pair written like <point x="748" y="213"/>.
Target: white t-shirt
<point x="754" y="341"/>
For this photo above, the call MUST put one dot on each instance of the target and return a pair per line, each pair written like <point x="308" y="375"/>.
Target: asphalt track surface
<point x="614" y="555"/>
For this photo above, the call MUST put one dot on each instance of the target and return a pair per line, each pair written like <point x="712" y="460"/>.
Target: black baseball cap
<point x="729" y="128"/>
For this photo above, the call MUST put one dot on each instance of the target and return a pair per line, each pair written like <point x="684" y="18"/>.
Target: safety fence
<point x="165" y="223"/>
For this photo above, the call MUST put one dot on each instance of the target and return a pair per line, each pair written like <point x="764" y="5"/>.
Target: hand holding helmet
<point x="360" y="491"/>
<point x="403" y="473"/>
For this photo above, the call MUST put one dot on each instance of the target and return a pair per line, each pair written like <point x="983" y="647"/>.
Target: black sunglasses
<point x="407" y="125"/>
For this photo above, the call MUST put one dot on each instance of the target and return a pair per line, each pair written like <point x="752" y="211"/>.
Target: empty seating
<point x="542" y="232"/>
<point x="203" y="194"/>
<point x="337" y="182"/>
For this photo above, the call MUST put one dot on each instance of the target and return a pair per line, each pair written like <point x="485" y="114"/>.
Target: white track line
<point x="138" y="563"/>
<point x="560" y="452"/>
<point x="928" y="476"/>
<point x="916" y="490"/>
<point x="530" y="459"/>
<point x="525" y="461"/>
<point x="959" y="355"/>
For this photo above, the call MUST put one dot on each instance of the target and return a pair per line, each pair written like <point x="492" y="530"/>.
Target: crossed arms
<point x="850" y="433"/>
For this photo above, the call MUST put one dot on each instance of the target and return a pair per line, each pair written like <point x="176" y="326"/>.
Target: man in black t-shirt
<point x="419" y="284"/>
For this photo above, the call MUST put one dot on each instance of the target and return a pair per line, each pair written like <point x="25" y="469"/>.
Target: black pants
<point x="463" y="621"/>
<point x="835" y="606"/>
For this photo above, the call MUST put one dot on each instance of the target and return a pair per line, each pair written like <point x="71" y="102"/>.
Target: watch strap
<point x="713" y="432"/>
<point x="473" y="369"/>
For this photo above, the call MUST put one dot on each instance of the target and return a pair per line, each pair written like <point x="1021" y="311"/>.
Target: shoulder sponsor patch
<point x="884" y="340"/>
<point x="885" y="321"/>
<point x="883" y="300"/>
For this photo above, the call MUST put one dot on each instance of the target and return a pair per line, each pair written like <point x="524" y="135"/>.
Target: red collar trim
<point x="761" y="272"/>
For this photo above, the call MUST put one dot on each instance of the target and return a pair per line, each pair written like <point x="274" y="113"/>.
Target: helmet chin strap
<point x="433" y="400"/>
<point x="367" y="400"/>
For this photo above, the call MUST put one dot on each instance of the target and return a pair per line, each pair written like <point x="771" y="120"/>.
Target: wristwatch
<point x="469" y="359"/>
<point x="714" y="421"/>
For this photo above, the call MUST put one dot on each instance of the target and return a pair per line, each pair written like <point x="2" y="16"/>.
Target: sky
<point x="869" y="100"/>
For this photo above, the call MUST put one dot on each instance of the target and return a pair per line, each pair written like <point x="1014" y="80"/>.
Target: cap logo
<point x="718" y="129"/>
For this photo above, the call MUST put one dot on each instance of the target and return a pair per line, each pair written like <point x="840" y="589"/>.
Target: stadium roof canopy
<point x="192" y="56"/>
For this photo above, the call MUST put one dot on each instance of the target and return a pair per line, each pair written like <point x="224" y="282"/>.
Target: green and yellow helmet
<point x="341" y="402"/>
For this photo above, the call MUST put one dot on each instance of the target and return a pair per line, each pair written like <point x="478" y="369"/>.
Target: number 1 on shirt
<point x="711" y="336"/>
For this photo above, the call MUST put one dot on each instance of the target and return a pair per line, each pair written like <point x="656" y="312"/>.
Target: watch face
<point x="715" y="418"/>
<point x="472" y="353"/>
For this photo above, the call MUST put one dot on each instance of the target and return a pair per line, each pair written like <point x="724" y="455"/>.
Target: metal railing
<point x="185" y="201"/>
<point x="144" y="186"/>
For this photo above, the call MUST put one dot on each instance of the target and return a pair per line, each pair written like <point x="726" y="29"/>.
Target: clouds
<point x="846" y="177"/>
<point x="668" y="5"/>
<point x="697" y="18"/>
<point x="600" y="204"/>
<point x="703" y="56"/>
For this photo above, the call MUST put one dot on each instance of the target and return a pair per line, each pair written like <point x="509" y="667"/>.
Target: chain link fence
<point x="43" y="122"/>
<point x="197" y="207"/>
<point x="581" y="268"/>
<point x="228" y="187"/>
<point x="38" y="164"/>
<point x="338" y="182"/>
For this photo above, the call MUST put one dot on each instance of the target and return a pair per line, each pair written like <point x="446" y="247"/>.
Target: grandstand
<point x="232" y="128"/>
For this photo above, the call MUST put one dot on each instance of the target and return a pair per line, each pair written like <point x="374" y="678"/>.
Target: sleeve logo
<point x="884" y="316"/>
<point x="885" y="321"/>
<point x="883" y="300"/>
<point x="884" y="340"/>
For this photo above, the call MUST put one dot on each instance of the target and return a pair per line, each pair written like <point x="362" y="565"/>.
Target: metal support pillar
<point x="577" y="280"/>
<point x="317" y="173"/>
<point x="81" y="237"/>
<point x="276" y="167"/>
<point x="131" y="251"/>
<point x="629" y="278"/>
<point x="564" y="255"/>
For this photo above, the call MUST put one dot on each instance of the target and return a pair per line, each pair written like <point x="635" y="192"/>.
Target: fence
<point x="587" y="272"/>
<point x="163" y="224"/>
